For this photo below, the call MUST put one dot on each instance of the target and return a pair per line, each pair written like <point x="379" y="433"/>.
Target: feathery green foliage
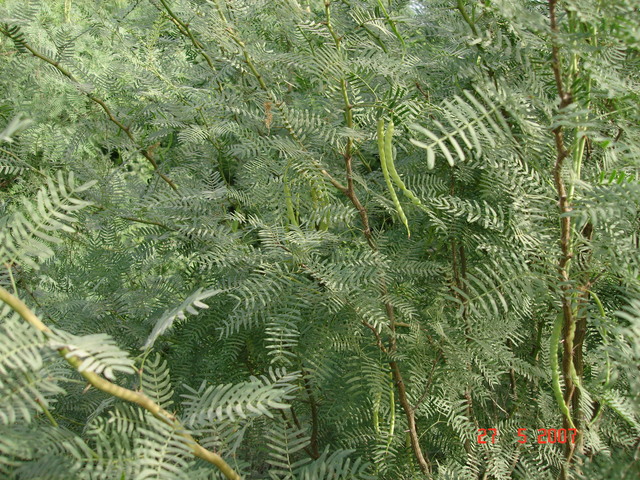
<point x="198" y="209"/>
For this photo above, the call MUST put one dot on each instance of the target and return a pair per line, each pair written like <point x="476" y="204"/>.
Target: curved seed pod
<point x="380" y="138"/>
<point x="291" y="215"/>
<point x="376" y="411"/>
<point x="392" y="414"/>
<point x="388" y="148"/>
<point x="555" y="373"/>
<point x="572" y="367"/>
<point x="385" y="172"/>
<point x="388" y="139"/>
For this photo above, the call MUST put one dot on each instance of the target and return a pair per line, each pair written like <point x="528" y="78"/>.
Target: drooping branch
<point x="351" y="194"/>
<point x="145" y="152"/>
<point x="184" y="28"/>
<point x="122" y="393"/>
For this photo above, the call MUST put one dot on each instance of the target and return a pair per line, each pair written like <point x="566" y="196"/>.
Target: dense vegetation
<point x="319" y="239"/>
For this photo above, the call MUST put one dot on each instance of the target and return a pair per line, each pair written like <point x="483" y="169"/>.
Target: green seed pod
<point x="380" y="138"/>
<point x="388" y="148"/>
<point x="555" y="373"/>
<point x="388" y="141"/>
<point x="392" y="413"/>
<point x="376" y="411"/>
<point x="382" y="150"/>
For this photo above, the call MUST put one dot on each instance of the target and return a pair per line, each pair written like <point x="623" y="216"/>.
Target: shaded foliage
<point x="196" y="199"/>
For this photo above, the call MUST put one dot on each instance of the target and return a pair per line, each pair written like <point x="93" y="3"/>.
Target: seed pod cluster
<point x="555" y="374"/>
<point x="385" y="150"/>
<point x="383" y="139"/>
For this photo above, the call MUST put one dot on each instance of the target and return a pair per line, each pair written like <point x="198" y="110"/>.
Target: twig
<point x="313" y="441"/>
<point x="185" y="30"/>
<point x="279" y="105"/>
<point x="127" y="131"/>
<point x="377" y="335"/>
<point x="122" y="393"/>
<point x="429" y="382"/>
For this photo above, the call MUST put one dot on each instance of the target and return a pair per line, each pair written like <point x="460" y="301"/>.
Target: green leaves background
<point x="239" y="105"/>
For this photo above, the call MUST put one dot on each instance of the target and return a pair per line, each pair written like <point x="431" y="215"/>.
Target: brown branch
<point x="424" y="94"/>
<point x="349" y="191"/>
<point x="351" y="194"/>
<point x="334" y="182"/>
<point x="137" y="220"/>
<point x="147" y="222"/>
<point x="564" y="206"/>
<point x="430" y="381"/>
<point x="122" y="393"/>
<point x="581" y="324"/>
<point x="306" y="449"/>
<point x="186" y="31"/>
<point x="424" y="463"/>
<point x="555" y="55"/>
<point x="377" y="335"/>
<point x="145" y="153"/>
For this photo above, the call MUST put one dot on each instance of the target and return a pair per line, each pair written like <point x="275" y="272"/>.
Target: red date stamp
<point x="544" y="435"/>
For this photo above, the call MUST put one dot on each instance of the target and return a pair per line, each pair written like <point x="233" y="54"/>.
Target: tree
<point x="319" y="239"/>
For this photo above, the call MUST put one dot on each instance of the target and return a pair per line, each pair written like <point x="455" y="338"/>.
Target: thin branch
<point x="147" y="222"/>
<point x="313" y="441"/>
<point x="137" y="220"/>
<point x="564" y="206"/>
<point x="279" y="105"/>
<point x="47" y="413"/>
<point x="127" y="131"/>
<point x="350" y="192"/>
<point x="424" y="463"/>
<point x="565" y="98"/>
<point x="33" y="169"/>
<point x="296" y="422"/>
<point x="377" y="335"/>
<point x="122" y="393"/>
<point x="429" y="382"/>
<point x="421" y="90"/>
<point x="463" y="11"/>
<point x="9" y="267"/>
<point x="186" y="31"/>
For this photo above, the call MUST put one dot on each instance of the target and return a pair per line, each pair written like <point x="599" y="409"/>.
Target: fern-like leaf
<point x="98" y="352"/>
<point x="470" y="121"/>
<point x="190" y="305"/>
<point x="256" y="397"/>
<point x="24" y="237"/>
